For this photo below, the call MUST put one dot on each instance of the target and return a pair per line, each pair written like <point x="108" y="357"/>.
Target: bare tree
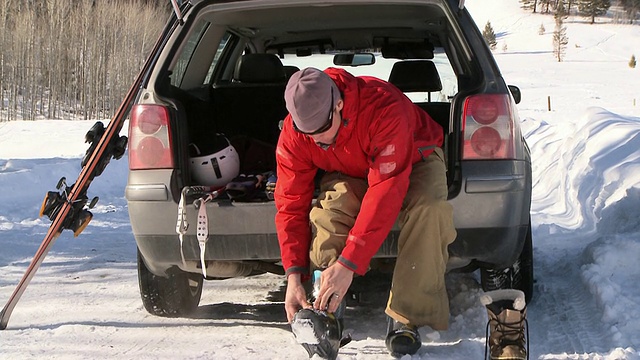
<point x="632" y="7"/>
<point x="78" y="58"/>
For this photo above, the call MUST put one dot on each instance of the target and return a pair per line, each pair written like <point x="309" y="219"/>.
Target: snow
<point x="84" y="301"/>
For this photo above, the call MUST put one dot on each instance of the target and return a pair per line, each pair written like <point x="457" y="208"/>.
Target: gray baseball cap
<point x="308" y="97"/>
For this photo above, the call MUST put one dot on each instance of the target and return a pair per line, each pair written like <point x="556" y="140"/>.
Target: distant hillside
<point x="606" y="40"/>
<point x="76" y="59"/>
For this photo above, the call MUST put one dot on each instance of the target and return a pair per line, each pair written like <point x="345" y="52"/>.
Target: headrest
<point x="415" y="76"/>
<point x="260" y="68"/>
<point x="290" y="70"/>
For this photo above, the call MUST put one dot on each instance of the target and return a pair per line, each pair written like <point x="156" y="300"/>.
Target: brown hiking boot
<point x="507" y="325"/>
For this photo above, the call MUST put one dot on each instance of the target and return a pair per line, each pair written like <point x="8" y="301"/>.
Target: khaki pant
<point x="418" y="293"/>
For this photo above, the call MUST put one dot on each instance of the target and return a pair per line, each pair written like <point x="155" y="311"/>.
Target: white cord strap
<point x="182" y="225"/>
<point x="202" y="232"/>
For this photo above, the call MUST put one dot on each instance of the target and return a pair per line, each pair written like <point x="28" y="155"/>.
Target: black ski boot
<point x="402" y="339"/>
<point x="319" y="332"/>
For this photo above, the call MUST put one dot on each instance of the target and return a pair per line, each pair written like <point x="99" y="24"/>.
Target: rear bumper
<point x="491" y="214"/>
<point x="496" y="247"/>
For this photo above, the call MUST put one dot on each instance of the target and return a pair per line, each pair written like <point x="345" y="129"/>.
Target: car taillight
<point x="150" y="143"/>
<point x="488" y="127"/>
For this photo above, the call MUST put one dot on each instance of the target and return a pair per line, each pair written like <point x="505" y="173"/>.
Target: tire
<point x="173" y="296"/>
<point x="517" y="276"/>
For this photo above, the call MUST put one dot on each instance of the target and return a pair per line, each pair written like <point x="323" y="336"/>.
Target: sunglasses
<point x="324" y="127"/>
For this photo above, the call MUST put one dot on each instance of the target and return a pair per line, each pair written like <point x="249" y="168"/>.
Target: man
<point x="383" y="163"/>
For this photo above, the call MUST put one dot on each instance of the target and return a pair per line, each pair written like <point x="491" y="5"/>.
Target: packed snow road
<point x="84" y="303"/>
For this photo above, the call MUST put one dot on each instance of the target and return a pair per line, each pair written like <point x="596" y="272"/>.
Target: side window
<point x="448" y="77"/>
<point x="187" y="53"/>
<point x="221" y="47"/>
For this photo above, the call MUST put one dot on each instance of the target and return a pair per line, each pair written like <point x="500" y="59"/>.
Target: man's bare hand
<point x="296" y="297"/>
<point x="334" y="284"/>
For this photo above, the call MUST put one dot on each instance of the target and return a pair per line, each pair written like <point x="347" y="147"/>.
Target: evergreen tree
<point x="561" y="12"/>
<point x="529" y="4"/>
<point x="489" y="36"/>
<point x="632" y="62"/>
<point x="569" y="6"/>
<point x="560" y="40"/>
<point x="593" y="8"/>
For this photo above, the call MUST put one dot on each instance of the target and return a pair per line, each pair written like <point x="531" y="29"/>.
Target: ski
<point x="67" y="208"/>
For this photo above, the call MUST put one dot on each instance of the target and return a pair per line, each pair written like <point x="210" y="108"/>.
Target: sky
<point x="84" y="301"/>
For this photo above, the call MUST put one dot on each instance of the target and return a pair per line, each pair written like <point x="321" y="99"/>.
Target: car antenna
<point x="176" y="9"/>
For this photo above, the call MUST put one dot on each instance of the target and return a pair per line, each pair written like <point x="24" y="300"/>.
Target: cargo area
<point x="250" y="108"/>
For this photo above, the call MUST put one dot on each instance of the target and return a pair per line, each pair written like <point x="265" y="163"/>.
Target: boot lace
<point x="507" y="330"/>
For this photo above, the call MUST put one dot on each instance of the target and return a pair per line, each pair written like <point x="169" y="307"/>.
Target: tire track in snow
<point x="563" y="312"/>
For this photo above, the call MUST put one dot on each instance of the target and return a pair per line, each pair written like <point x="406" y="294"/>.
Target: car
<point x="210" y="109"/>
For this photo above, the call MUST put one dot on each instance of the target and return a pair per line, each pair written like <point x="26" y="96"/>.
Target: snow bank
<point x="582" y="167"/>
<point x="610" y="267"/>
<point x="587" y="186"/>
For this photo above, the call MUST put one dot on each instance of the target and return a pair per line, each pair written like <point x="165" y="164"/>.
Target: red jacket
<point x="383" y="133"/>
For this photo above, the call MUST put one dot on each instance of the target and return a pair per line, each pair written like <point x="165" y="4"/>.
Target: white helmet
<point x="218" y="168"/>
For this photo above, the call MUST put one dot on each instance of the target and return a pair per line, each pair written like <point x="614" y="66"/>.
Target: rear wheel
<point x="517" y="276"/>
<point x="173" y="296"/>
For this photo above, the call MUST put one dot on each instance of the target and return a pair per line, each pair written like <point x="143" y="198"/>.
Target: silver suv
<point x="222" y="68"/>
